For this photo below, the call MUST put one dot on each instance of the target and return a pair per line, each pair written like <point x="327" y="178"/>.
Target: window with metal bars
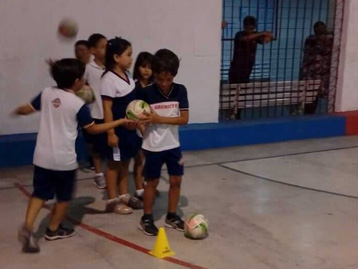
<point x="279" y="57"/>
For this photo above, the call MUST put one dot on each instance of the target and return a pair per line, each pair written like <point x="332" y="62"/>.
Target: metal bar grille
<point x="279" y="57"/>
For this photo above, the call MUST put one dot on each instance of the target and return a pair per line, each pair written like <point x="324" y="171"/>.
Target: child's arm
<point x="155" y="118"/>
<point x="29" y="108"/>
<point x="85" y="120"/>
<point x="104" y="127"/>
<point x="108" y="117"/>
<point x="25" y="110"/>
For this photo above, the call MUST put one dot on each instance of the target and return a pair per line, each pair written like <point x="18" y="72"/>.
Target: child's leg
<point x="152" y="169"/>
<point x="65" y="185"/>
<point x="97" y="149"/>
<point x="58" y="215"/>
<point x="44" y="189"/>
<point x="174" y="193"/>
<point x="111" y="179"/>
<point x="99" y="179"/>
<point x="25" y="235"/>
<point x="173" y="220"/>
<point x="175" y="166"/>
<point x="124" y="196"/>
<point x="112" y="176"/>
<point x="149" y="194"/>
<point x="89" y="146"/>
<point x="147" y="222"/>
<point x="55" y="230"/>
<point x="33" y="209"/>
<point x="97" y="163"/>
<point x="123" y="177"/>
<point x="138" y="170"/>
<point x="95" y="144"/>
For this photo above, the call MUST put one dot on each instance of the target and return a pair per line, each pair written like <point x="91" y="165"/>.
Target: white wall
<point x="191" y="28"/>
<point x="347" y="90"/>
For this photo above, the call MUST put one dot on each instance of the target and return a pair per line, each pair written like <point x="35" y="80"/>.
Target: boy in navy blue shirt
<point x="170" y="108"/>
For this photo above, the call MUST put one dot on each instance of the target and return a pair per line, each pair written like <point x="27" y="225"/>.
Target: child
<point x="82" y="51"/>
<point x="55" y="156"/>
<point x="83" y="54"/>
<point x="142" y="73"/>
<point x="117" y="90"/>
<point x="170" y="108"/>
<point x="94" y="70"/>
<point x="143" y="76"/>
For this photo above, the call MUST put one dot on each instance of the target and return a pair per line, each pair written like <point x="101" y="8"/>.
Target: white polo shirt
<point x="161" y="137"/>
<point x="61" y="113"/>
<point x="93" y="75"/>
<point x="114" y="86"/>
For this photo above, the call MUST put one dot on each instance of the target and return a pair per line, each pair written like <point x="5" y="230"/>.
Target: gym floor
<point x="283" y="205"/>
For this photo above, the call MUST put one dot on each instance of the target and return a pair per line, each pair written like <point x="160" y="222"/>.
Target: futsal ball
<point x="196" y="227"/>
<point x="68" y="28"/>
<point x="86" y="94"/>
<point x="136" y="108"/>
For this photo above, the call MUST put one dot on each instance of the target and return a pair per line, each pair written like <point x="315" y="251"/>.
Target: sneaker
<point x="61" y="233"/>
<point x="100" y="182"/>
<point x="135" y="203"/>
<point x="29" y="243"/>
<point x="176" y="223"/>
<point x="138" y="197"/>
<point x="118" y="207"/>
<point x="148" y="227"/>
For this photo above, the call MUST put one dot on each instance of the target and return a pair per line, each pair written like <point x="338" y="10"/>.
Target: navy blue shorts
<point x="96" y="142"/>
<point x="128" y="146"/>
<point x="48" y="183"/>
<point x="154" y="161"/>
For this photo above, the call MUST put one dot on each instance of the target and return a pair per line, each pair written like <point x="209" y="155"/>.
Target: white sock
<point x="124" y="198"/>
<point x="111" y="200"/>
<point x="140" y="192"/>
<point x="99" y="175"/>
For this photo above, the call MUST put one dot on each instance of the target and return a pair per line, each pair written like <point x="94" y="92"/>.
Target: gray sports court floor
<point x="284" y="205"/>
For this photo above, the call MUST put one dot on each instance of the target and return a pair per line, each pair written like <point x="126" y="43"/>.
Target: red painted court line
<point x="115" y="238"/>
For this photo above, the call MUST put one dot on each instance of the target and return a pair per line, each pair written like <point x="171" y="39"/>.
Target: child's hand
<point x="126" y="121"/>
<point x="130" y="124"/>
<point x="148" y="118"/>
<point x="142" y="127"/>
<point x="113" y="140"/>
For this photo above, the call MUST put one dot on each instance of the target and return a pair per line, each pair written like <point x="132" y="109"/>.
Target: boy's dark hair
<point x="66" y="71"/>
<point x="82" y="42"/>
<point x="144" y="58"/>
<point x="94" y="39"/>
<point x="165" y="60"/>
<point x="117" y="46"/>
<point x="249" y="20"/>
